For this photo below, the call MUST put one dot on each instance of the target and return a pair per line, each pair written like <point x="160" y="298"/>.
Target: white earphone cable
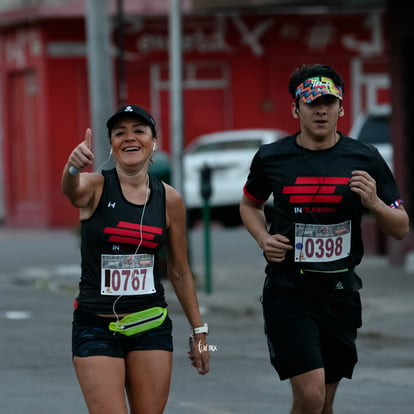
<point x="139" y="244"/>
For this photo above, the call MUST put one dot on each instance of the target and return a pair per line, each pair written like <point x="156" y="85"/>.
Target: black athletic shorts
<point x="91" y="336"/>
<point x="306" y="332"/>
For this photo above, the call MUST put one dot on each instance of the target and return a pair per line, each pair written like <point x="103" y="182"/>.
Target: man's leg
<point x="330" y="391"/>
<point x="308" y="392"/>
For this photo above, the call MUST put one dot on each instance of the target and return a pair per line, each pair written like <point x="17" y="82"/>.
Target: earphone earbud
<point x="110" y="152"/>
<point x="154" y="147"/>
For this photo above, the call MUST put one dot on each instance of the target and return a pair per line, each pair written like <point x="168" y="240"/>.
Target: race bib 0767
<point x="127" y="274"/>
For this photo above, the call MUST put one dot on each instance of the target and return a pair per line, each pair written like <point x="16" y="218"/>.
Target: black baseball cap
<point x="132" y="110"/>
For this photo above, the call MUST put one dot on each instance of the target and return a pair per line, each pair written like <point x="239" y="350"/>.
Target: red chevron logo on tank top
<point x="132" y="233"/>
<point x="315" y="189"/>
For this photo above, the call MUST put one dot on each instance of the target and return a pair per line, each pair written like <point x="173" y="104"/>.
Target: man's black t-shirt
<point x="316" y="210"/>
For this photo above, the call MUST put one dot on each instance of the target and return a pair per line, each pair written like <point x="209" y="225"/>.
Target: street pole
<point x="206" y="191"/>
<point x="176" y="100"/>
<point x="121" y="90"/>
<point x="100" y="76"/>
<point x="207" y="246"/>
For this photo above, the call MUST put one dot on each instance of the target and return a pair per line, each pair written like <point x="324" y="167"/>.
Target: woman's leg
<point x="102" y="381"/>
<point x="148" y="380"/>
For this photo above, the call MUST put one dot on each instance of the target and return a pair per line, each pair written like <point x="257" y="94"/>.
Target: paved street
<point x="38" y="281"/>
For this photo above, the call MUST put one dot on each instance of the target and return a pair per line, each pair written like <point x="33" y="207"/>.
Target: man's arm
<point x="253" y="217"/>
<point x="392" y="221"/>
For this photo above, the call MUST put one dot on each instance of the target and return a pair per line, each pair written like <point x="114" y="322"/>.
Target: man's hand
<point x="365" y="186"/>
<point x="275" y="247"/>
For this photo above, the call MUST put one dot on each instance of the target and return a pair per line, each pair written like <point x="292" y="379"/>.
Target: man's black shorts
<point x="306" y="332"/>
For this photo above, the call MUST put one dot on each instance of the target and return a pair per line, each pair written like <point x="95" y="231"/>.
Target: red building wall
<point x="236" y="70"/>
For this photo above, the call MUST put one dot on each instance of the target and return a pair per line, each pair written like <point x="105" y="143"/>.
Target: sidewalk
<point x="50" y="258"/>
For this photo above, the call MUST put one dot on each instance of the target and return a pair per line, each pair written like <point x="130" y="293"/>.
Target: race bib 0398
<point x="322" y="243"/>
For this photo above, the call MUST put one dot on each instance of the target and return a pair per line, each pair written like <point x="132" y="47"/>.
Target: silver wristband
<point x="201" y="329"/>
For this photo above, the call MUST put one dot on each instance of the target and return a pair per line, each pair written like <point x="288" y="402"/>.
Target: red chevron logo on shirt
<point x="132" y="233"/>
<point x="315" y="189"/>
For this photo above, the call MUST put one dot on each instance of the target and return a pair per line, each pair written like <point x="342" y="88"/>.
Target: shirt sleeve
<point x="387" y="188"/>
<point x="257" y="185"/>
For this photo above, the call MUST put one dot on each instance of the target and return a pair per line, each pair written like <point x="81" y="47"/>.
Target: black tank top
<point x="114" y="228"/>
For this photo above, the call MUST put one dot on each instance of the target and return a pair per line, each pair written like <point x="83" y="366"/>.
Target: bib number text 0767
<point x="127" y="275"/>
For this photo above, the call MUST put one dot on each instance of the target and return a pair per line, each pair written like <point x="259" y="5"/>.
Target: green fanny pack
<point x="139" y="321"/>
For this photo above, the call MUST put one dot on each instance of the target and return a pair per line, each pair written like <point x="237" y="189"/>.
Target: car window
<point x="227" y="145"/>
<point x="376" y="130"/>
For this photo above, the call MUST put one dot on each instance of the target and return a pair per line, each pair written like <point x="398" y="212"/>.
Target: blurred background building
<point x="237" y="58"/>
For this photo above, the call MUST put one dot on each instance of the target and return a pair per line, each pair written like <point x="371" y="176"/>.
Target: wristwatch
<point x="201" y="329"/>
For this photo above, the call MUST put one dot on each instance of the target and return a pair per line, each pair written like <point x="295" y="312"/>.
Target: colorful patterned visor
<point x="314" y="88"/>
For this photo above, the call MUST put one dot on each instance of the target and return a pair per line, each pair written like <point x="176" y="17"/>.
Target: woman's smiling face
<point x="132" y="141"/>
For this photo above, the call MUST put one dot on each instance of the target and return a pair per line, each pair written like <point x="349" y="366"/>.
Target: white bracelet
<point x="201" y="329"/>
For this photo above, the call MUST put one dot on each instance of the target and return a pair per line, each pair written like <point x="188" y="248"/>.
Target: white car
<point x="375" y="129"/>
<point x="228" y="154"/>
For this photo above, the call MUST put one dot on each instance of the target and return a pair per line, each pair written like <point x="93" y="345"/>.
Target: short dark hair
<point x="311" y="71"/>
